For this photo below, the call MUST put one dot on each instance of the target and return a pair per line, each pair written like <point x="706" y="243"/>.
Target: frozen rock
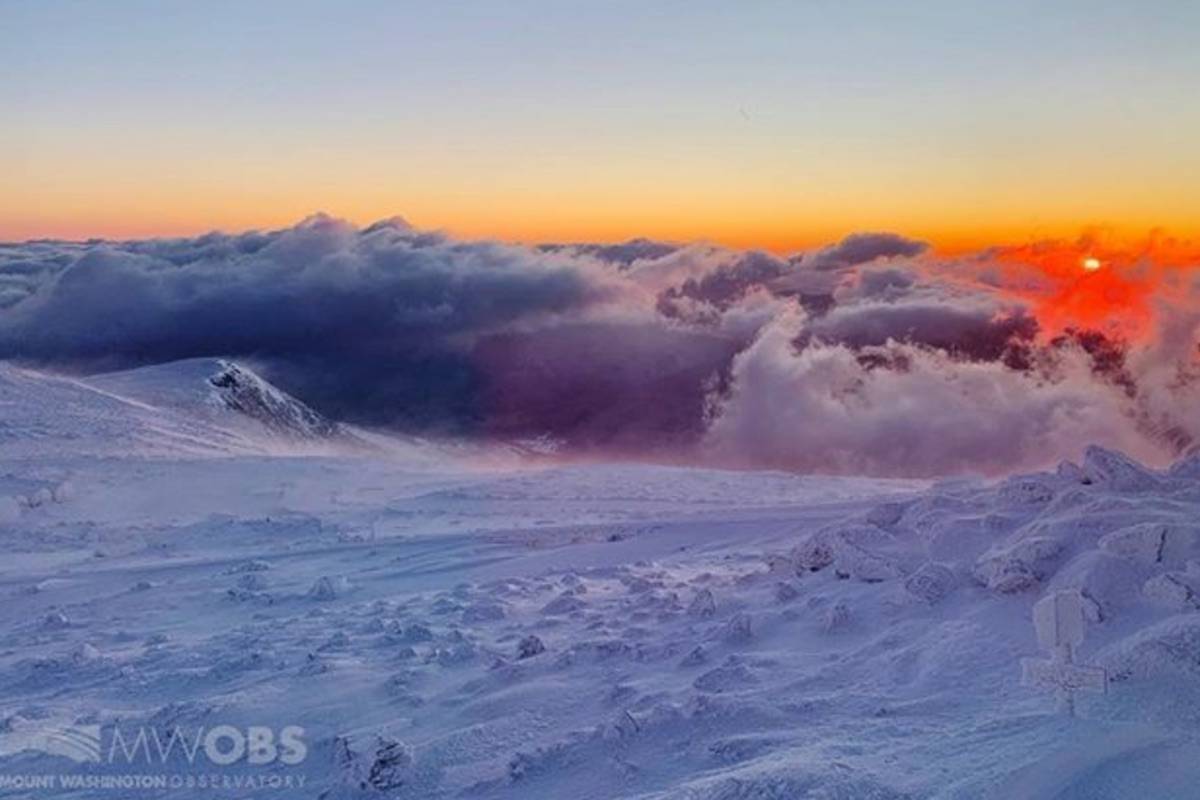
<point x="483" y="612"/>
<point x="85" y="654"/>
<point x="853" y="550"/>
<point x="836" y="617"/>
<point x="1113" y="470"/>
<point x="785" y="592"/>
<point x="930" y="583"/>
<point x="1071" y="472"/>
<point x="415" y="633"/>
<point x="1171" y="646"/>
<point x="338" y="641"/>
<point x="1018" y="566"/>
<point x="252" y="581"/>
<point x="813" y="554"/>
<point x="1012" y="579"/>
<point x="382" y="765"/>
<point x="1172" y="591"/>
<point x="1027" y="490"/>
<point x="563" y="604"/>
<point x="626" y="726"/>
<point x="39" y="498"/>
<point x="780" y="563"/>
<point x="703" y="604"/>
<point x="738" y="629"/>
<point x="248" y="566"/>
<point x="63" y="492"/>
<point x="55" y="620"/>
<point x="727" y="677"/>
<point x="886" y="515"/>
<point x="855" y="562"/>
<point x="1142" y="543"/>
<point x="529" y="647"/>
<point x="453" y="654"/>
<point x="329" y="587"/>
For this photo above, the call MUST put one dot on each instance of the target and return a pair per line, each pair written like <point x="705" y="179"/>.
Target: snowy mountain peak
<point x="241" y="390"/>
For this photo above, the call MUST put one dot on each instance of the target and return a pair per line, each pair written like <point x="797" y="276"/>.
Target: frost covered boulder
<point x="1174" y="591"/>
<point x="887" y="515"/>
<point x="814" y="553"/>
<point x="1019" y="566"/>
<point x="1071" y="472"/>
<point x="483" y="611"/>
<point x="63" y="492"/>
<point x="836" y="618"/>
<point x="738" y="629"/>
<point x="703" y="604"/>
<point x="1112" y="470"/>
<point x="55" y="620"/>
<point x="855" y="562"/>
<point x="1027" y="490"/>
<point x="565" y="603"/>
<point x="930" y="583"/>
<point x="381" y="764"/>
<point x="39" y="498"/>
<point x="1171" y="646"/>
<point x="1171" y="544"/>
<point x="329" y="587"/>
<point x="1142" y="543"/>
<point x="252" y="581"/>
<point x="529" y="647"/>
<point x="85" y="653"/>
<point x="855" y="551"/>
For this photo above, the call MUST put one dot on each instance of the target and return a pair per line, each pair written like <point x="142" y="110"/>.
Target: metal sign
<point x="1058" y="620"/>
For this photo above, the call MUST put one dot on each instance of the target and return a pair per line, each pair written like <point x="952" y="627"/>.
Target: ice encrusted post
<point x="1058" y="620"/>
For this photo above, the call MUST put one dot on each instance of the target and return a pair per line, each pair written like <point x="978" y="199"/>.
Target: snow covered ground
<point x="184" y="555"/>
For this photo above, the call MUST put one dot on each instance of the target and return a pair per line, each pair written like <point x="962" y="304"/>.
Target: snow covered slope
<point x="442" y="629"/>
<point x="195" y="407"/>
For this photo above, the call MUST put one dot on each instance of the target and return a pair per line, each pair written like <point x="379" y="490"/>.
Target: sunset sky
<point x="770" y="124"/>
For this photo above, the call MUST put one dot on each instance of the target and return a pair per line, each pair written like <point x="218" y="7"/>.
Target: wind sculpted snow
<point x="430" y="623"/>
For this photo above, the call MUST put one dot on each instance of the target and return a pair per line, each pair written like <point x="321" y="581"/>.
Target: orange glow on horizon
<point x="1099" y="283"/>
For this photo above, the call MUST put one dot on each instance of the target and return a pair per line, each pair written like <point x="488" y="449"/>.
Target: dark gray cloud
<point x="863" y="248"/>
<point x="374" y="325"/>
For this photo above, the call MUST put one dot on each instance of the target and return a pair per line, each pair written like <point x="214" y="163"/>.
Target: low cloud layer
<point x="872" y="355"/>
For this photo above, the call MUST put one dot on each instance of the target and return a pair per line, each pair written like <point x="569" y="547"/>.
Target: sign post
<point x="1058" y="620"/>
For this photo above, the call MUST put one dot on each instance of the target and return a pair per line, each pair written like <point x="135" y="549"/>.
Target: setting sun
<point x="1091" y="264"/>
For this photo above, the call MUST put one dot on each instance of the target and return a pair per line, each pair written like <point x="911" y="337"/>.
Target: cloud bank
<point x="872" y="355"/>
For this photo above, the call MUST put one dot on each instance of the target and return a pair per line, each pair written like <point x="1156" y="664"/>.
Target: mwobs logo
<point x="80" y="743"/>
